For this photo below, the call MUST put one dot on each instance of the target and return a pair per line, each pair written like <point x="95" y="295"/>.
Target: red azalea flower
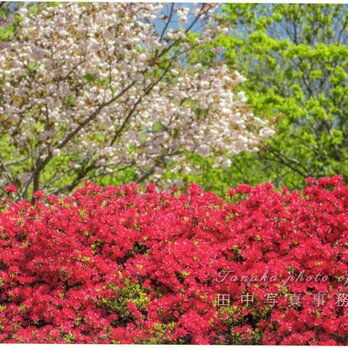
<point x="151" y="188"/>
<point x="11" y="188"/>
<point x="39" y="194"/>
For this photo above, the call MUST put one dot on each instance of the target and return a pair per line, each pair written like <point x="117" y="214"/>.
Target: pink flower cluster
<point x="118" y="265"/>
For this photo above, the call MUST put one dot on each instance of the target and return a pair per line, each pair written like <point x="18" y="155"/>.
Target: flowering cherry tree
<point x="89" y="90"/>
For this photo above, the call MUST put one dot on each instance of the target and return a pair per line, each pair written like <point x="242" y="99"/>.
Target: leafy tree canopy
<point x="294" y="57"/>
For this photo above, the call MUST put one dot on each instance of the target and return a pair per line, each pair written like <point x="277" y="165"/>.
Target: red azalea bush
<point x="118" y="265"/>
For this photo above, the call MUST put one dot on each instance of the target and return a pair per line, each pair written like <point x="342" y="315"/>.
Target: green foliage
<point x="133" y="292"/>
<point x="234" y="318"/>
<point x="295" y="60"/>
<point x="128" y="292"/>
<point x="161" y="334"/>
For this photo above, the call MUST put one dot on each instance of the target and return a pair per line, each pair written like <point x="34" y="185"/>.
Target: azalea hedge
<point x="123" y="265"/>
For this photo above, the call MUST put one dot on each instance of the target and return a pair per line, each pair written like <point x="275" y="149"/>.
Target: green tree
<point x="294" y="58"/>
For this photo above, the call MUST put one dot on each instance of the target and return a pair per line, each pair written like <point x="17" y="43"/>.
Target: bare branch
<point x="168" y="21"/>
<point x="7" y="172"/>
